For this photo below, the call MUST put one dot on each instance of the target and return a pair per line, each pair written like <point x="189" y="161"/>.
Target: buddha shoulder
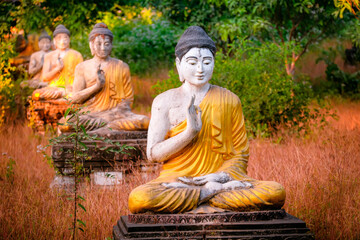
<point x="168" y="99"/>
<point x="74" y="53"/>
<point x="231" y="98"/>
<point x="119" y="62"/>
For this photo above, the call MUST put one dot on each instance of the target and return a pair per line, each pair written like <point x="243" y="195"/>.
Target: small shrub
<point x="142" y="38"/>
<point x="7" y="86"/>
<point x="338" y="82"/>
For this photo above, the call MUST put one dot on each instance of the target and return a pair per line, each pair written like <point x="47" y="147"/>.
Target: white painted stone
<point x="107" y="178"/>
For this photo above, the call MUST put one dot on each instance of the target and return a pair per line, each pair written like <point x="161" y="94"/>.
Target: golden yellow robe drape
<point x="117" y="88"/>
<point x="113" y="103"/>
<point x="220" y="146"/>
<point x="65" y="77"/>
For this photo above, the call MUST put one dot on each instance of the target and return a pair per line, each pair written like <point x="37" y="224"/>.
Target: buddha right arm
<point x="80" y="93"/>
<point x="160" y="150"/>
<point x="33" y="67"/>
<point x="48" y="74"/>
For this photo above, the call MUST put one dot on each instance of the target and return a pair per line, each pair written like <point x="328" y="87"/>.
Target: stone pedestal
<point x="275" y="224"/>
<point x="45" y="112"/>
<point x="106" y="167"/>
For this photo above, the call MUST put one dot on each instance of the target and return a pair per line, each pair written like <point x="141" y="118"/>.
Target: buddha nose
<point x="200" y="67"/>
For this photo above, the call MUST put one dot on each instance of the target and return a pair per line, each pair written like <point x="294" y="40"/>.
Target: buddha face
<point x="101" y="46"/>
<point x="45" y="44"/>
<point x="196" y="66"/>
<point x="62" y="41"/>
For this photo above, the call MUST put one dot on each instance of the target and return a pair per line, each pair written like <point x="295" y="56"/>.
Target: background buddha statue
<point x="198" y="132"/>
<point x="103" y="85"/>
<point x="59" y="67"/>
<point x="37" y="62"/>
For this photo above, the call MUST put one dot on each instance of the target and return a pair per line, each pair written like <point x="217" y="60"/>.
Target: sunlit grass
<point x="320" y="173"/>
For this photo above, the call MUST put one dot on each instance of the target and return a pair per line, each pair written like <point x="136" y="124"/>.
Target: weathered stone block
<point x="276" y="224"/>
<point x="46" y="112"/>
<point x="101" y="160"/>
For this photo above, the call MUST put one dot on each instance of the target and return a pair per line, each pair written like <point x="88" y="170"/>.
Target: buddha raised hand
<point x="37" y="62"/>
<point x="103" y="85"/>
<point x="198" y="132"/>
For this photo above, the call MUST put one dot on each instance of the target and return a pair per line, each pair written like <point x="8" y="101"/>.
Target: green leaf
<point x="83" y="145"/>
<point x="67" y="112"/>
<point x="81" y="222"/>
<point x="81" y="229"/>
<point x="82" y="206"/>
<point x="80" y="197"/>
<point x="83" y="129"/>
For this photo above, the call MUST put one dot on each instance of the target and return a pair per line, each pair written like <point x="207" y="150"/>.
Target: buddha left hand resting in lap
<point x="103" y="85"/>
<point x="198" y="132"/>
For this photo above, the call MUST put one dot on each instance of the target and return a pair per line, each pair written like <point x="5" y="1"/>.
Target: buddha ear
<point x="54" y="42"/>
<point x="177" y="61"/>
<point x="91" y="45"/>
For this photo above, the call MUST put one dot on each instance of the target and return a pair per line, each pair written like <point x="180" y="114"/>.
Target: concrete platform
<point x="275" y="224"/>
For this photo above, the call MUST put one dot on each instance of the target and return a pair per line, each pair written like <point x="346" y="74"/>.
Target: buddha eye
<point x="192" y="62"/>
<point x="207" y="62"/>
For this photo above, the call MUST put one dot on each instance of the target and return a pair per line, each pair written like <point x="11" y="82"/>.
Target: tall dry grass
<point x="321" y="174"/>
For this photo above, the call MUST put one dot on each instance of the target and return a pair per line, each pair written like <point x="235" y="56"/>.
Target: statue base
<point x="101" y="164"/>
<point x="41" y="113"/>
<point x="275" y="224"/>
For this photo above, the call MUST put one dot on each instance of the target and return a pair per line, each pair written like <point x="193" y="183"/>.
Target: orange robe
<point x="113" y="103"/>
<point x="65" y="77"/>
<point x="220" y="146"/>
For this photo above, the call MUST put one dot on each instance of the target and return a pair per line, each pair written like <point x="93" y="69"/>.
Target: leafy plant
<point x="352" y="6"/>
<point x="142" y="38"/>
<point x="299" y="23"/>
<point x="338" y="81"/>
<point x="10" y="174"/>
<point x="80" y="154"/>
<point x="7" y="95"/>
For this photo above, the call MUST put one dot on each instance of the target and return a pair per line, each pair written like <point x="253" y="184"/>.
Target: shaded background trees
<point x="277" y="34"/>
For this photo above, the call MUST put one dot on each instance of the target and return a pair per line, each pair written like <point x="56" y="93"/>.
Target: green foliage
<point x="142" y="38"/>
<point x="79" y="155"/>
<point x="301" y="23"/>
<point x="32" y="15"/>
<point x="338" y="81"/>
<point x="172" y="82"/>
<point x="7" y="94"/>
<point x="10" y="174"/>
<point x="268" y="95"/>
<point x="352" y="6"/>
<point x="147" y="48"/>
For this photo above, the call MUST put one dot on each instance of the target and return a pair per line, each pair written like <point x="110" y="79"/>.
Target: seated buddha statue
<point x="103" y="85"/>
<point x="59" y="66"/>
<point x="37" y="62"/>
<point x="198" y="132"/>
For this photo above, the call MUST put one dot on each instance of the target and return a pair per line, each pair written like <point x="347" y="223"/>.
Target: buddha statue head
<point x="44" y="41"/>
<point x="195" y="52"/>
<point x="61" y="37"/>
<point x="100" y="41"/>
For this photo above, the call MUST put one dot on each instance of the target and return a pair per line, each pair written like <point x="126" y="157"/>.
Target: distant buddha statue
<point x="59" y="67"/>
<point x="198" y="132"/>
<point x="37" y="62"/>
<point x="103" y="85"/>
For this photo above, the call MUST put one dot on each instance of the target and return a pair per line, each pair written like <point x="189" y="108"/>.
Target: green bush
<point x="269" y="96"/>
<point x="146" y="48"/>
<point x="338" y="82"/>
<point x="142" y="38"/>
<point x="12" y="98"/>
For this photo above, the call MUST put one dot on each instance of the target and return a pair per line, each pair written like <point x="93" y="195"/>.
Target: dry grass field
<point x="321" y="174"/>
